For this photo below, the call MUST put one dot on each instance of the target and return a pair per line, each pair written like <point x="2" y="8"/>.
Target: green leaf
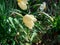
<point x="11" y="21"/>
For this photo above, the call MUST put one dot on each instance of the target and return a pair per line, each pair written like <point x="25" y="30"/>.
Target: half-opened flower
<point x="29" y="21"/>
<point x="22" y="4"/>
<point x="43" y="6"/>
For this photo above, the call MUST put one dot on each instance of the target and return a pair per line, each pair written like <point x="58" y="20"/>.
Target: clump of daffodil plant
<point x="28" y="20"/>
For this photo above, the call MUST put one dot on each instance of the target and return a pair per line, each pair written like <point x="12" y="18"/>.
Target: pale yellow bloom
<point x="29" y="21"/>
<point x="22" y="4"/>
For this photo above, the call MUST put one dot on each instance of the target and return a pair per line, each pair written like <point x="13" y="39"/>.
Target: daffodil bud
<point x="43" y="6"/>
<point x="29" y="21"/>
<point x="17" y="33"/>
<point x="22" y="4"/>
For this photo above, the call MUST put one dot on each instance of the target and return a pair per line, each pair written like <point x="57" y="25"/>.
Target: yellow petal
<point x="27" y="18"/>
<point x="29" y="24"/>
<point x="25" y="1"/>
<point x="22" y="5"/>
<point x="29" y="21"/>
<point x="30" y="17"/>
<point x="33" y="18"/>
<point x="19" y="1"/>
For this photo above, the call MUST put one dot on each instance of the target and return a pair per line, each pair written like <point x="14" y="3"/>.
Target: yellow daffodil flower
<point x="29" y="21"/>
<point x="22" y="4"/>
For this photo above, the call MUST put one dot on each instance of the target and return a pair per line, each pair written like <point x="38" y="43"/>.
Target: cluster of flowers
<point x="29" y="19"/>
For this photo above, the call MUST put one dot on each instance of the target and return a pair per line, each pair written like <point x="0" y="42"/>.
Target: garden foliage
<point x="29" y="22"/>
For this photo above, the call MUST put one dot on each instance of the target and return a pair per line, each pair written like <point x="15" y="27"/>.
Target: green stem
<point x="18" y="14"/>
<point x="47" y="15"/>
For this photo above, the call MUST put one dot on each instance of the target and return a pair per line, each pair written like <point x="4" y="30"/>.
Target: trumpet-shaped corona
<point x="29" y="21"/>
<point x="22" y="4"/>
